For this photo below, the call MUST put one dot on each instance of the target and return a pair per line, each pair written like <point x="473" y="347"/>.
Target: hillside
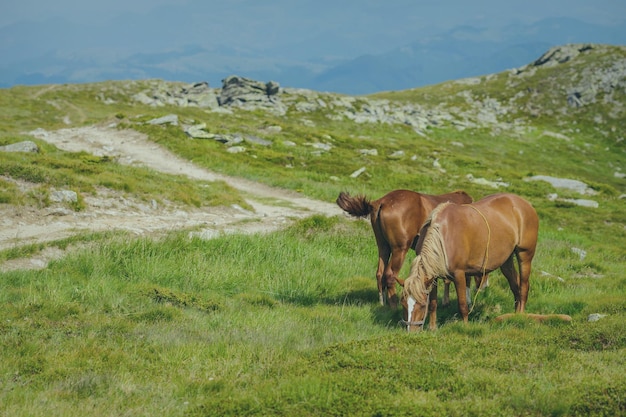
<point x="175" y="248"/>
<point x="570" y="100"/>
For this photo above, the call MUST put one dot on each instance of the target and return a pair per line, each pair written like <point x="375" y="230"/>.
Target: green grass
<point x="288" y="322"/>
<point x="84" y="173"/>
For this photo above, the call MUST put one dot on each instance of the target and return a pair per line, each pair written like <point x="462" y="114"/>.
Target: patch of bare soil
<point x="273" y="208"/>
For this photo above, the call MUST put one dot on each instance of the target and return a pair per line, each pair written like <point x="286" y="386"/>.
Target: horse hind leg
<point x="524" y="260"/>
<point x="508" y="270"/>
<point x="383" y="260"/>
<point x="460" y="283"/>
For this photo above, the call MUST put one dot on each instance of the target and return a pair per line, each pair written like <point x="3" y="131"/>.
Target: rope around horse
<point x="482" y="279"/>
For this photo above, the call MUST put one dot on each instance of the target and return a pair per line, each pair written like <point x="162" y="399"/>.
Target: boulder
<point x="239" y="90"/>
<point x="25" y="146"/>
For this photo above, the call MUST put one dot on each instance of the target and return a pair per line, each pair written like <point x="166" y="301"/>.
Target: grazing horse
<point x="458" y="241"/>
<point x="396" y="219"/>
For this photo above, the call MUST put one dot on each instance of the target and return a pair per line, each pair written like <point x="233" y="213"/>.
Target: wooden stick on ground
<point x="537" y="317"/>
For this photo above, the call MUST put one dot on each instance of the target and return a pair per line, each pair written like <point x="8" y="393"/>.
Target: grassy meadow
<point x="288" y="323"/>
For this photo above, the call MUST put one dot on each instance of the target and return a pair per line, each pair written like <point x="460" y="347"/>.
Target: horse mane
<point x="432" y="261"/>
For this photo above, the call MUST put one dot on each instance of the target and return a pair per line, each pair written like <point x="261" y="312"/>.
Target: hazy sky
<point x="441" y="12"/>
<point x="266" y="23"/>
<point x="62" y="36"/>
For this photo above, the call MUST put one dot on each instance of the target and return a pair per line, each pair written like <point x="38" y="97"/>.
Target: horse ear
<point x="400" y="281"/>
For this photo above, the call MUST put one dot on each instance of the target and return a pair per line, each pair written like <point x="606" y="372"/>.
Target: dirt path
<point x="273" y="208"/>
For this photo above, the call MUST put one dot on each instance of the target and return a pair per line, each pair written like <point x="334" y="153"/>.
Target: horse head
<point x="415" y="296"/>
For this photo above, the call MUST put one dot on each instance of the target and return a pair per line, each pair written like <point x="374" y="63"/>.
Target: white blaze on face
<point x="410" y="307"/>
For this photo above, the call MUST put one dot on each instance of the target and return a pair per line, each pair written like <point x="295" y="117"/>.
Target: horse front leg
<point x="398" y="254"/>
<point x="460" y="283"/>
<point x="432" y="308"/>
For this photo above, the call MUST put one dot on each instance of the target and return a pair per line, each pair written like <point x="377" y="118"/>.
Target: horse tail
<point x="358" y="206"/>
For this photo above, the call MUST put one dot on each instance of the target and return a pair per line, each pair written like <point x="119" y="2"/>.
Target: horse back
<point x="398" y="215"/>
<point x="511" y="211"/>
<point x="496" y="225"/>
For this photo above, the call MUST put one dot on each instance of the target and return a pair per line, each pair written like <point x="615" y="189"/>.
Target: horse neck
<point x="434" y="257"/>
<point x="414" y="285"/>
<point x="430" y="263"/>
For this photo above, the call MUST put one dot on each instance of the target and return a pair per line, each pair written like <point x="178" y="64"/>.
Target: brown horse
<point x="396" y="219"/>
<point x="458" y="241"/>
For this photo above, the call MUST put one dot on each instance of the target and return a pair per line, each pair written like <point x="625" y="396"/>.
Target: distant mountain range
<point x="78" y="54"/>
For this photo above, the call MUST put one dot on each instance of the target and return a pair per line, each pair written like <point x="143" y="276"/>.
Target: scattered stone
<point x="582" y="202"/>
<point x="438" y="166"/>
<point x="483" y="181"/>
<point x="25" y="146"/>
<point x="572" y="185"/>
<point x="198" y="132"/>
<point x="368" y="152"/>
<point x="580" y="252"/>
<point x="558" y="278"/>
<point x="321" y="146"/>
<point x="272" y="129"/>
<point x="357" y="172"/>
<point x="595" y="317"/>
<point x="397" y="155"/>
<point x="236" y="149"/>
<point x="63" y="196"/>
<point x="257" y="140"/>
<point x="556" y="135"/>
<point x="233" y="139"/>
<point x="169" y="119"/>
<point x="575" y="201"/>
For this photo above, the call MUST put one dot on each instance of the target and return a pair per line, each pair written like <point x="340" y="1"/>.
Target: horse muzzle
<point x="407" y="324"/>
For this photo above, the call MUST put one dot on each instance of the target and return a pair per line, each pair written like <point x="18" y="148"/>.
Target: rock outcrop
<point x="241" y="92"/>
